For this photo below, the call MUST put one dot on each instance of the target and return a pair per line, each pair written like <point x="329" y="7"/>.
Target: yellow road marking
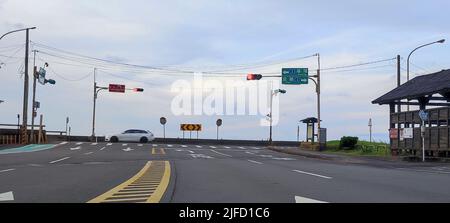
<point x="133" y="190"/>
<point x="157" y="151"/>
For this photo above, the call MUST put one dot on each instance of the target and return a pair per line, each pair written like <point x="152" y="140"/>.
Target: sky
<point x="218" y="35"/>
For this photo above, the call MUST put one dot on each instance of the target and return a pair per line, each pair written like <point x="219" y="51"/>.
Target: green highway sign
<point x="294" y="76"/>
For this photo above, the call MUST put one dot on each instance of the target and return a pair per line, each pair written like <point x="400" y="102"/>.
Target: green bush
<point x="348" y="142"/>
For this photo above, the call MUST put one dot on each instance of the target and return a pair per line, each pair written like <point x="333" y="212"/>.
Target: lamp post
<point x="407" y="64"/>
<point x="273" y="93"/>
<point x="25" y="85"/>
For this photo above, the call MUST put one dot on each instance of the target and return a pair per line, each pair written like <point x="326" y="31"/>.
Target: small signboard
<point x="191" y="127"/>
<point x="118" y="88"/>
<point x="423" y="115"/>
<point x="408" y="133"/>
<point x="393" y="133"/>
<point x="163" y="120"/>
<point x="41" y="75"/>
<point x="294" y="76"/>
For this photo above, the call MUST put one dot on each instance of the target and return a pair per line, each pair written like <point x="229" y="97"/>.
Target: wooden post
<point x="40" y="130"/>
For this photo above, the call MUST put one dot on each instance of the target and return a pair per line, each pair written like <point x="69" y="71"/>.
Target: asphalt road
<point x="79" y="172"/>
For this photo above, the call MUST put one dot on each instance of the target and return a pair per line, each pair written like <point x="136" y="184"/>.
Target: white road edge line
<point x="55" y="161"/>
<point x="305" y="200"/>
<point x="223" y="154"/>
<point x="312" y="174"/>
<point x="2" y="171"/>
<point x="76" y="148"/>
<point x="102" y="148"/>
<point x="252" y="161"/>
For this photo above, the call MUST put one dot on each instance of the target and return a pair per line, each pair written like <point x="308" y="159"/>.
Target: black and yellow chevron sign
<point x="191" y="127"/>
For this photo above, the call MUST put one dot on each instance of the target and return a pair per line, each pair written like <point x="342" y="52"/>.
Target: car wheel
<point x="143" y="140"/>
<point x="114" y="139"/>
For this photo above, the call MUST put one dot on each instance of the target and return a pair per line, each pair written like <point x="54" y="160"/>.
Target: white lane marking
<point x="312" y="174"/>
<point x="62" y="143"/>
<point x="94" y="144"/>
<point x="227" y="147"/>
<point x="128" y="149"/>
<point x="250" y="153"/>
<point x="256" y="148"/>
<point x="76" y="148"/>
<point x="212" y="147"/>
<point x="102" y="148"/>
<point x="78" y="143"/>
<point x="89" y="153"/>
<point x="198" y="146"/>
<point x="201" y="156"/>
<point x="305" y="200"/>
<point x="240" y="147"/>
<point x="286" y="159"/>
<point x="140" y="145"/>
<point x="252" y="161"/>
<point x="124" y="144"/>
<point x="184" y="146"/>
<point x="266" y="156"/>
<point x="155" y="145"/>
<point x="2" y="171"/>
<point x="109" y="144"/>
<point x="55" y="161"/>
<point x="179" y="150"/>
<point x="223" y="154"/>
<point x="167" y="145"/>
<point x="8" y="196"/>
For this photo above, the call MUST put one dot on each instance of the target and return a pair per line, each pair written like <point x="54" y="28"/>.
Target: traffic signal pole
<point x="93" y="111"/>
<point x="318" y="98"/>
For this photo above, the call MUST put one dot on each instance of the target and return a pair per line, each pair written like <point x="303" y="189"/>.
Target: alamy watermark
<point x="226" y="98"/>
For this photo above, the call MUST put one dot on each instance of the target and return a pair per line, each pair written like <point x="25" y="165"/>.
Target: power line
<point x="358" y="64"/>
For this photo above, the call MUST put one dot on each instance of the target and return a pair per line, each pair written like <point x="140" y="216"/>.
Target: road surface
<point x="79" y="172"/>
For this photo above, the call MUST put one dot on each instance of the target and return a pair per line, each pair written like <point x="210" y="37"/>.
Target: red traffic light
<point x="254" y="77"/>
<point x="138" y="89"/>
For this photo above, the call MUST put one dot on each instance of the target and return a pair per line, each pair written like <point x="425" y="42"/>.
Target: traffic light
<point x="282" y="91"/>
<point x="138" y="89"/>
<point x="254" y="77"/>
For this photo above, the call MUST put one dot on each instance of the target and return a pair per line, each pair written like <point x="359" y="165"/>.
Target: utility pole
<point x="399" y="107"/>
<point x="370" y="130"/>
<point x="95" y="99"/>
<point x="34" y="96"/>
<point x="25" y="92"/>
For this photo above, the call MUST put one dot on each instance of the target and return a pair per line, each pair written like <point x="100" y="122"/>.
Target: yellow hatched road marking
<point x="133" y="191"/>
<point x="158" y="151"/>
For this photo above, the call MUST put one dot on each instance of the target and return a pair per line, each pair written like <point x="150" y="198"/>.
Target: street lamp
<point x="273" y="93"/>
<point x="25" y="85"/>
<point x="407" y="64"/>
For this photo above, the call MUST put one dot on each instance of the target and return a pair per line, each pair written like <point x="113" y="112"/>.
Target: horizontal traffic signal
<point x="138" y="89"/>
<point x="254" y="77"/>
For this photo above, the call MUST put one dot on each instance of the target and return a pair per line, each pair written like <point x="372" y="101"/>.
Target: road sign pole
<point x="423" y="140"/>
<point x="164" y="131"/>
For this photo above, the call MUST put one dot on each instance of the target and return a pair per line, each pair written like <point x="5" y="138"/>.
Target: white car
<point x="131" y="135"/>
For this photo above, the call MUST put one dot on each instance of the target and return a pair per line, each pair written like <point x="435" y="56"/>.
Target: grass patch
<point x="363" y="148"/>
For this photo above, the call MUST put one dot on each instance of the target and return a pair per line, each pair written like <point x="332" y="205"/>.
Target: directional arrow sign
<point x="8" y="196"/>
